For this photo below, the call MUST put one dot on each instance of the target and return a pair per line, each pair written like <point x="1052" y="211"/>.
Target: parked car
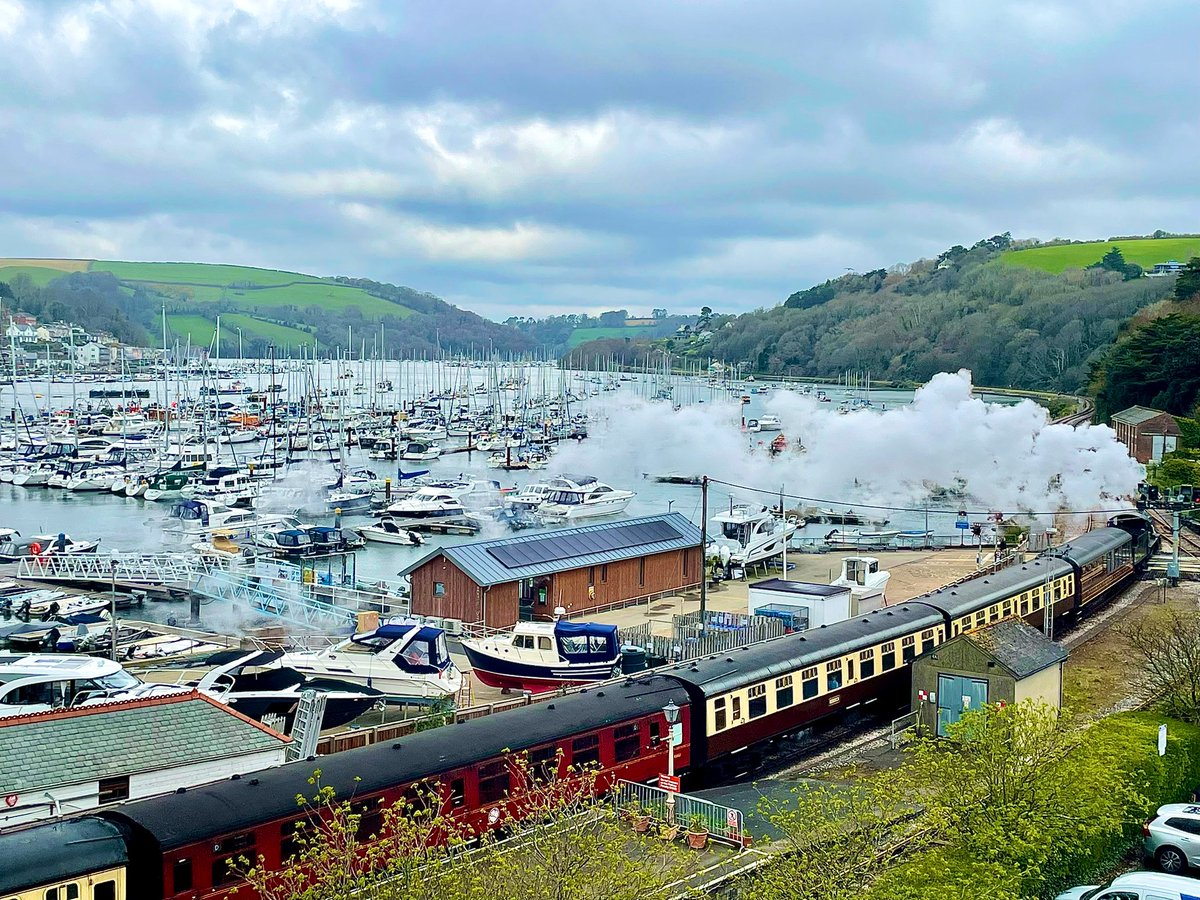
<point x="1172" y="837"/>
<point x="1138" y="886"/>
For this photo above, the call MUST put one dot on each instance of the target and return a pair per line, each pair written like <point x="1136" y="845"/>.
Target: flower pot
<point x="697" y="840"/>
<point x="641" y="824"/>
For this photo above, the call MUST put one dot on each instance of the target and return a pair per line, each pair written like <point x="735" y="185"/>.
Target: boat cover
<point x="586" y="641"/>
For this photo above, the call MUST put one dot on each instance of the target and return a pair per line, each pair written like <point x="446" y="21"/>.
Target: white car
<point x="1138" y="886"/>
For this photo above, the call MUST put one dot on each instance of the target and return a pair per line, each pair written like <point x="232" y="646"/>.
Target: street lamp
<point x="113" y="608"/>
<point x="671" y="713"/>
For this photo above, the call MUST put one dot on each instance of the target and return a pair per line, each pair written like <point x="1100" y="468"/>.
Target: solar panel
<point x="555" y="547"/>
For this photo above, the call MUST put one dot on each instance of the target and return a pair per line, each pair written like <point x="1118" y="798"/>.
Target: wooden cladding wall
<point x="461" y="597"/>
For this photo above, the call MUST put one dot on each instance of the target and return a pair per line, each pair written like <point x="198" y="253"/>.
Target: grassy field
<point x="200" y="329"/>
<point x="280" y="335"/>
<point x="40" y="275"/>
<point x="198" y="273"/>
<point x="583" y="335"/>
<point x="1144" y="252"/>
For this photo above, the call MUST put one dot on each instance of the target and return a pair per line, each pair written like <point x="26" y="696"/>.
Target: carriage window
<point x="887" y="657"/>
<point x="105" y="890"/>
<point x="783" y="692"/>
<point x="966" y="623"/>
<point x="458" y="793"/>
<point x="287" y="840"/>
<point x="809" y="685"/>
<point x="980" y="618"/>
<point x="1024" y="604"/>
<point x="181" y="875"/>
<point x="758" y="701"/>
<point x="230" y="850"/>
<point x="908" y="648"/>
<point x="866" y="664"/>
<point x="370" y="823"/>
<point x="737" y="708"/>
<point x="585" y="751"/>
<point x="719" y="718"/>
<point x="926" y="641"/>
<point x="994" y="613"/>
<point x="833" y="675"/>
<point x="626" y="742"/>
<point x="493" y="782"/>
<point x="543" y="764"/>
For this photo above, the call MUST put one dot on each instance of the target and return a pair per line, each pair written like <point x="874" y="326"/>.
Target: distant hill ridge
<point x="268" y="306"/>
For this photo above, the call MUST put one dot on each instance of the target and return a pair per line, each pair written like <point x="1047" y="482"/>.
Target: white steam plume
<point x="1010" y="456"/>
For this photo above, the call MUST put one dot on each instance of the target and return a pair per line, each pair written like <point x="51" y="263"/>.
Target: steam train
<point x="731" y="704"/>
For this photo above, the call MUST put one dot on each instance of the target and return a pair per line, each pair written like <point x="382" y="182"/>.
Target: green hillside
<point x="272" y="307"/>
<point x="1145" y="252"/>
<point x="582" y="335"/>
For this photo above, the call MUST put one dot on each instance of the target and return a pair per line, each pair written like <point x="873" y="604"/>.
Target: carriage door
<point x="957" y="695"/>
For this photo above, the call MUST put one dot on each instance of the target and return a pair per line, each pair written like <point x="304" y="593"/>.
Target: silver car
<point x="1172" y="837"/>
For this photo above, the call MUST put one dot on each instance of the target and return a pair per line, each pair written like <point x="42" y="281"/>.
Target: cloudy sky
<point x="536" y="157"/>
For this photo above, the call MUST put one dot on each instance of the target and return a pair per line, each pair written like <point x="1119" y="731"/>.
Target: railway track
<point x="1189" y="542"/>
<point x="1081" y="417"/>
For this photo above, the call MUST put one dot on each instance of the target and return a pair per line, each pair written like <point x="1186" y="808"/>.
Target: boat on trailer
<point x="545" y="656"/>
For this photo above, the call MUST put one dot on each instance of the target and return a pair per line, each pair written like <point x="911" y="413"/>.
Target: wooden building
<point x="500" y="582"/>
<point x="1147" y="433"/>
<point x="1007" y="662"/>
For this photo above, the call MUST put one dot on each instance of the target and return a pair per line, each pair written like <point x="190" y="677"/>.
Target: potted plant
<point x="640" y="819"/>
<point x="697" y="833"/>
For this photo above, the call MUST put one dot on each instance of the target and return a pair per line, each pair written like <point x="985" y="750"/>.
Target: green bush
<point x="1118" y="751"/>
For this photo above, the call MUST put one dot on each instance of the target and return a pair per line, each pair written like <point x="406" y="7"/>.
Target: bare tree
<point x="1167" y="647"/>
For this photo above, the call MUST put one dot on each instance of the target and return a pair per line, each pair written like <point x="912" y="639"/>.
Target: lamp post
<point x="671" y="712"/>
<point x="113" y="607"/>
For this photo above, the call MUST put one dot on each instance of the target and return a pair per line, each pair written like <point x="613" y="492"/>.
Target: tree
<point x="1187" y="282"/>
<point x="1167" y="647"/>
<point x="1114" y="261"/>
<point x="658" y="313"/>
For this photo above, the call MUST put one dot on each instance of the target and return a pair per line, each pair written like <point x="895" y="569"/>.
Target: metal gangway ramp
<point x="289" y="601"/>
<point x="176" y="570"/>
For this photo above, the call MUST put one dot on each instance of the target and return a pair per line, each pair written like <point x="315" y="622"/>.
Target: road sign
<point x="1162" y="740"/>
<point x="668" y="783"/>
<point x="963" y="524"/>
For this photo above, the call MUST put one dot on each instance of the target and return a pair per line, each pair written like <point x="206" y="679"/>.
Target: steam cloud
<point x="1009" y="456"/>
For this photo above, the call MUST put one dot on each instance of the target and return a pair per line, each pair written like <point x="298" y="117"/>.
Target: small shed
<point x="803" y="604"/>
<point x="1007" y="662"/>
<point x="1147" y="433"/>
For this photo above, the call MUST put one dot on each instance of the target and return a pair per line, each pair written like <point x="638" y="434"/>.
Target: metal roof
<point x="1017" y="646"/>
<point x="800" y="587"/>
<point x="982" y="591"/>
<point x="526" y="556"/>
<point x="44" y="750"/>
<point x="1136" y="415"/>
<point x="1092" y="545"/>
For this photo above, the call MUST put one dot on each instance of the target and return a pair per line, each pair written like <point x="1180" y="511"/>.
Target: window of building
<point x="439" y="589"/>
<point x="927" y="641"/>
<point x="105" y="890"/>
<point x="783" y="692"/>
<point x="604" y="573"/>
<point x="585" y="751"/>
<point x="866" y="664"/>
<point x="758" y="701"/>
<point x="493" y="782"/>
<point x="642" y="571"/>
<point x="908" y="648"/>
<point x="626" y="742"/>
<point x="833" y="675"/>
<point x="720" y="719"/>
<point x="591" y="576"/>
<point x="181" y="875"/>
<point x="114" y="789"/>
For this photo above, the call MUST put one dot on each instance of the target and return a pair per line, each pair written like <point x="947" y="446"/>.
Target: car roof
<point x="1179" y="809"/>
<point x="1178" y="883"/>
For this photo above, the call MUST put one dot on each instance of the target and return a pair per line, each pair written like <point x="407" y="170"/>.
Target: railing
<point x="690" y="639"/>
<point x="127" y="569"/>
<point x="905" y="723"/>
<point x="293" y="605"/>
<point x="724" y="823"/>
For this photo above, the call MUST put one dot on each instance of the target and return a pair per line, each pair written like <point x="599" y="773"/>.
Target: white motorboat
<point x="582" y="497"/>
<point x="866" y="581"/>
<point x="33" y="475"/>
<point x="226" y="485"/>
<point x="44" y="545"/>
<point x="403" y="658"/>
<point x="196" y="516"/>
<point x="99" y="478"/>
<point x="530" y="497"/>
<point x="418" y="450"/>
<point x="542" y="656"/>
<point x="40" y="683"/>
<point x="386" y="531"/>
<point x="68" y="605"/>
<point x="770" y="423"/>
<point x="425" y="504"/>
<point x="750" y="535"/>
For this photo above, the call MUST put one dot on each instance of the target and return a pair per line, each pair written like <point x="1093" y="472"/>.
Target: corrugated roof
<point x="1136" y="415"/>
<point x="43" y="750"/>
<point x="1017" y="646"/>
<point x="565" y="549"/>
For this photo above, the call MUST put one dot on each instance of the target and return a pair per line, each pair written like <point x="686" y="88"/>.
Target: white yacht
<point x="386" y="531"/>
<point x="866" y="581"/>
<point x="196" y="516"/>
<point x="769" y="423"/>
<point x="750" y="535"/>
<point x="226" y="485"/>
<point x="530" y="497"/>
<point x="425" y="504"/>
<point x="403" y="658"/>
<point x="420" y="450"/>
<point x="577" y="497"/>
